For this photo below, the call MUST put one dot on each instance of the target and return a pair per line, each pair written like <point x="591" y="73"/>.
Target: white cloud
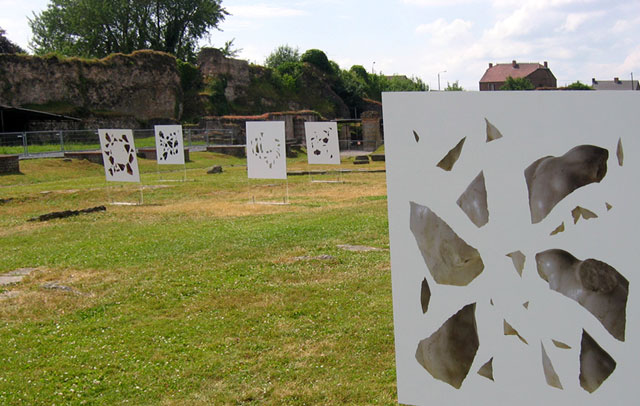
<point x="576" y="20"/>
<point x="441" y="30"/>
<point x="263" y="11"/>
<point x="435" y="3"/>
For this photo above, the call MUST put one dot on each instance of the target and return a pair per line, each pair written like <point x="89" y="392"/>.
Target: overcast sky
<point x="580" y="39"/>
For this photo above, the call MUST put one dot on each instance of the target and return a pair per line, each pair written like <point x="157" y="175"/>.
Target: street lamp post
<point x="444" y="71"/>
<point x="372" y="67"/>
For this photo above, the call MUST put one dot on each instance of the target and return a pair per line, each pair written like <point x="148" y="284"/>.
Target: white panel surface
<point x="169" y="145"/>
<point x="119" y="155"/>
<point x="266" y="153"/>
<point x="322" y="143"/>
<point x="420" y="129"/>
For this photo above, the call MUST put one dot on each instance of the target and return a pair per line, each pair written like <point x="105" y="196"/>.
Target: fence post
<point x="189" y="137"/>
<point x="61" y="141"/>
<point x="24" y="144"/>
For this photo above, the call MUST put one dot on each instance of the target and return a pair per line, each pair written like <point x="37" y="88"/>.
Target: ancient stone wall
<point x="144" y="85"/>
<point x="213" y="64"/>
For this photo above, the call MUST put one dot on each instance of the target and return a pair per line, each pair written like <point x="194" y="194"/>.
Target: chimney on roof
<point x="490" y="65"/>
<point x="514" y="64"/>
<point x="616" y="80"/>
<point x="546" y="65"/>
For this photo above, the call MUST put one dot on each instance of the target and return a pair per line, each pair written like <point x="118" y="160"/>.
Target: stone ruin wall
<point x="144" y="85"/>
<point x="213" y="64"/>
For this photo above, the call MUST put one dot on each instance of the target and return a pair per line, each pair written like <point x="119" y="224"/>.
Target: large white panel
<point x="266" y="153"/>
<point x="420" y="130"/>
<point x="169" y="145"/>
<point x="322" y="143"/>
<point x="119" y="155"/>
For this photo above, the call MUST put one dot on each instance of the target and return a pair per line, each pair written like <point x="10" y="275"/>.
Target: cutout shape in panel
<point x="596" y="365"/>
<point x="169" y="145"/>
<point x="119" y="155"/>
<point x="510" y="331"/>
<point x="452" y="156"/>
<point x="561" y="345"/>
<point x="526" y="305"/>
<point x="450" y="260"/>
<point x="551" y="179"/>
<point x="582" y="212"/>
<point x="473" y="201"/>
<point x="608" y="206"/>
<point x="518" y="259"/>
<point x="620" y="152"/>
<point x="425" y="295"/>
<point x="595" y="285"/>
<point x="487" y="369"/>
<point x="449" y="352"/>
<point x="492" y="132"/>
<point x="322" y="143"/>
<point x="266" y="155"/>
<point x="558" y="230"/>
<point x="416" y="136"/>
<point x="550" y="374"/>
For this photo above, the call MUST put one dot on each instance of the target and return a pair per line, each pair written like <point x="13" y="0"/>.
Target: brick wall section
<point x="9" y="164"/>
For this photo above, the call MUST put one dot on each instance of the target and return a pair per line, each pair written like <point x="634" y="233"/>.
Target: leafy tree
<point x="578" y="86"/>
<point x="97" y="28"/>
<point x="229" y="50"/>
<point x="453" y="87"/>
<point x="282" y="54"/>
<point x="517" y="84"/>
<point x="8" y="47"/>
<point x="318" y="59"/>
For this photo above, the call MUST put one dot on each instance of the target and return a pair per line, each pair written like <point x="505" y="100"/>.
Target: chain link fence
<point x="35" y="144"/>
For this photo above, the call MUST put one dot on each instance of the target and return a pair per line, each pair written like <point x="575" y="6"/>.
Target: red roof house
<point x="496" y="75"/>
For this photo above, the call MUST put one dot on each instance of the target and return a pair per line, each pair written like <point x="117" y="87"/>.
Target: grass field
<point x="196" y="297"/>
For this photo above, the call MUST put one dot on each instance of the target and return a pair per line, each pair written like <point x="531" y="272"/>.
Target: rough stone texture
<point x="15" y="276"/>
<point x="213" y="64"/>
<point x="371" y="131"/>
<point x="145" y="84"/>
<point x="91" y="156"/>
<point x="239" y="151"/>
<point x="215" y="169"/>
<point x="9" y="164"/>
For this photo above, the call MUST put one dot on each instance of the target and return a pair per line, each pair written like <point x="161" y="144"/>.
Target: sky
<point x="452" y="39"/>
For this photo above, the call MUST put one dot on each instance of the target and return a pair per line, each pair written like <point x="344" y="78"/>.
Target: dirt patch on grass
<point x="48" y="293"/>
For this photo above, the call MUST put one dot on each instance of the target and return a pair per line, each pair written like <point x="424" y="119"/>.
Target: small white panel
<point x="322" y="143"/>
<point x="119" y="155"/>
<point x="169" y="145"/>
<point x="266" y="150"/>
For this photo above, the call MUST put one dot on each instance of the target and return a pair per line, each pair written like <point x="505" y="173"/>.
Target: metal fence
<point x="34" y="144"/>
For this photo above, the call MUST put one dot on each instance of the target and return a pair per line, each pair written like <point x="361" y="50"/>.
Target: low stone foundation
<point x="239" y="151"/>
<point x="9" y="164"/>
<point x="150" y="153"/>
<point x="91" y="156"/>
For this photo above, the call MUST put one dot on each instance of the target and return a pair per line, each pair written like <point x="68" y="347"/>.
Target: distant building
<point x="496" y="75"/>
<point x="615" y="84"/>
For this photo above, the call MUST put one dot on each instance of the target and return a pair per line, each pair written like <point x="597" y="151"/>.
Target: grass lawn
<point x="196" y="297"/>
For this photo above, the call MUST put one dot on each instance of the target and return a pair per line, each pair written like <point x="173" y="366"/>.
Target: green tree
<point x="97" y="28"/>
<point x="318" y="59"/>
<point x="453" y="87"/>
<point x="517" y="84"/>
<point x="229" y="49"/>
<point x="281" y="55"/>
<point x="8" y="47"/>
<point x="578" y="86"/>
